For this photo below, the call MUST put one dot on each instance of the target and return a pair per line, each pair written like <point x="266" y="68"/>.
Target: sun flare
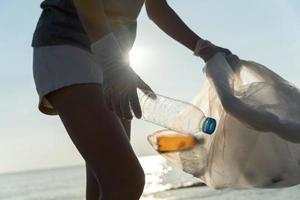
<point x="137" y="57"/>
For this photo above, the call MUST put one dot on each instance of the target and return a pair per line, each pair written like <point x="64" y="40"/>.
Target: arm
<point x="93" y="18"/>
<point x="166" y="19"/>
<point x="120" y="82"/>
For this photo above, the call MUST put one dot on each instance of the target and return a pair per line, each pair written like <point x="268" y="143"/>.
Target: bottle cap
<point x="209" y="125"/>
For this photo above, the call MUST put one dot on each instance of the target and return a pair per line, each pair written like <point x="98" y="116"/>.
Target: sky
<point x="264" y="31"/>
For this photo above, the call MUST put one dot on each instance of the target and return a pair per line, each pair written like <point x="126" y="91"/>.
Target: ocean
<point x="163" y="182"/>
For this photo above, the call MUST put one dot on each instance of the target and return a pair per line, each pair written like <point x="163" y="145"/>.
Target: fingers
<point x="226" y="51"/>
<point x="123" y="103"/>
<point x="118" y="103"/>
<point x="146" y="89"/>
<point x="208" y="52"/>
<point x="125" y="108"/>
<point x="135" y="104"/>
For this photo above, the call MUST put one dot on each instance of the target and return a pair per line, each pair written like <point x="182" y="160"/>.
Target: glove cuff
<point x="201" y="44"/>
<point x="108" y="53"/>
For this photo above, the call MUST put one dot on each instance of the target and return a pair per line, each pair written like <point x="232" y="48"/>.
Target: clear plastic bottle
<point x="175" y="115"/>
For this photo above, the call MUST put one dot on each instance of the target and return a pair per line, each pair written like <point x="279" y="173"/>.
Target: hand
<point x="120" y="92"/>
<point x="206" y="50"/>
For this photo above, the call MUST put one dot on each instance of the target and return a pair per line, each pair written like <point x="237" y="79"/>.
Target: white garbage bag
<point x="256" y="143"/>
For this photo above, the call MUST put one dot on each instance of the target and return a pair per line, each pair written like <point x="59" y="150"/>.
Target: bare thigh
<point x="101" y="139"/>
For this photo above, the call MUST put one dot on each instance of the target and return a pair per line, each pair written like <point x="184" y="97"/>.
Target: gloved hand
<point x="206" y="50"/>
<point x="120" y="82"/>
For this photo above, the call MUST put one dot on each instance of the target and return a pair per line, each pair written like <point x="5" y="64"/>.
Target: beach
<point x="163" y="182"/>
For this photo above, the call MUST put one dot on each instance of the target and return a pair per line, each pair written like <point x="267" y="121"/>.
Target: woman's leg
<point x="92" y="185"/>
<point x="101" y="139"/>
<point x="127" y="126"/>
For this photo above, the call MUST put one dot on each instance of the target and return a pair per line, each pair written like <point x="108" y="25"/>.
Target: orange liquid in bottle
<point x="175" y="142"/>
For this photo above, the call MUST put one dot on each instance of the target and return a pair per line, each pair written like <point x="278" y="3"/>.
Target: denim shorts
<point x="59" y="66"/>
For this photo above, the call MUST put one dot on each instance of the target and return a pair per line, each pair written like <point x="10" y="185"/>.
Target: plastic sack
<point x="255" y="143"/>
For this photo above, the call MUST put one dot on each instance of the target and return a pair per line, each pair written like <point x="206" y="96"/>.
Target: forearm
<point x="93" y="18"/>
<point x="167" y="20"/>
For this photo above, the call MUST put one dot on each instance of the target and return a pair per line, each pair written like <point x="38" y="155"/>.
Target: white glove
<point x="120" y="82"/>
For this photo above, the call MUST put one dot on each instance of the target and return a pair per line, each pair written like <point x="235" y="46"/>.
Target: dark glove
<point x="120" y="82"/>
<point x="206" y="50"/>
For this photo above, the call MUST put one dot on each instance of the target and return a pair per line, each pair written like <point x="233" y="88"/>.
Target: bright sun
<point x="137" y="57"/>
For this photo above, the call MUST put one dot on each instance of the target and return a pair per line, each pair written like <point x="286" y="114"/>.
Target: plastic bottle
<point x="175" y="115"/>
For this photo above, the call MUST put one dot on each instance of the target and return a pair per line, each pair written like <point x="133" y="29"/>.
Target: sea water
<point x="163" y="182"/>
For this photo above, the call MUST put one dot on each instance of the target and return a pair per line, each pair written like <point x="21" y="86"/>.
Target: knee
<point x="126" y="183"/>
<point x="133" y="187"/>
<point x="140" y="182"/>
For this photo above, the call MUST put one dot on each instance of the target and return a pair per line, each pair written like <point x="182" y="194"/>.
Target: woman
<point x="82" y="74"/>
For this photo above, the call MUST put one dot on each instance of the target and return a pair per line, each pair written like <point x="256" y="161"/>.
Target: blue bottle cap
<point x="209" y="125"/>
